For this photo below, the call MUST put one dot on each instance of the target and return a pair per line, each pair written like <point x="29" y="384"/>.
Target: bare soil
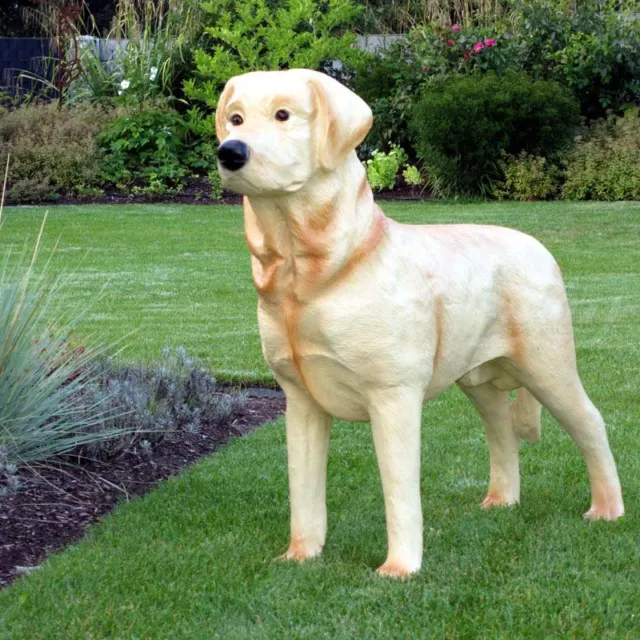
<point x="57" y="501"/>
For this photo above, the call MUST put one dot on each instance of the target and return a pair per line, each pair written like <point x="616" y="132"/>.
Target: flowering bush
<point x="445" y="50"/>
<point x="392" y="82"/>
<point x="152" y="59"/>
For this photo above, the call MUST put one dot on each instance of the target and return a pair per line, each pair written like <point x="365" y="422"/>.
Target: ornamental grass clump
<point x="44" y="376"/>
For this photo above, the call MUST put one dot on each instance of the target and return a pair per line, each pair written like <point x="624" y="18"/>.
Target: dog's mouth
<point x="253" y="180"/>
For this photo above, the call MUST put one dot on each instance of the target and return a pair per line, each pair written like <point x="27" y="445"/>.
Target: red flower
<point x="478" y="46"/>
<point x="450" y="43"/>
<point x="466" y="54"/>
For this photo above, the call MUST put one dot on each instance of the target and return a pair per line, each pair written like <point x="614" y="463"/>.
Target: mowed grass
<point x="196" y="558"/>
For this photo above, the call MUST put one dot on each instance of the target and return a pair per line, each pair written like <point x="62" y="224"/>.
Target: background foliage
<point x="464" y="124"/>
<point x="605" y="165"/>
<point x="160" y="91"/>
<point x="249" y="35"/>
<point x="53" y="150"/>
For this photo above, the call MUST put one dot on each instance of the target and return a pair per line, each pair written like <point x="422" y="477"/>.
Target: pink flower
<point x="455" y="27"/>
<point x="490" y="42"/>
<point x="478" y="46"/>
<point x="450" y="43"/>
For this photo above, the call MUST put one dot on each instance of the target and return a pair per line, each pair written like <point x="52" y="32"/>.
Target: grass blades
<point x="195" y="559"/>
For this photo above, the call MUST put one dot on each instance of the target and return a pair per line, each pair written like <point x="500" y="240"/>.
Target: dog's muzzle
<point x="233" y="155"/>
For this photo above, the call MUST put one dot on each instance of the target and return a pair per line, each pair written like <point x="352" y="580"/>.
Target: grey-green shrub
<point x="59" y="397"/>
<point x="53" y="150"/>
<point x="149" y="403"/>
<point x="605" y="165"/>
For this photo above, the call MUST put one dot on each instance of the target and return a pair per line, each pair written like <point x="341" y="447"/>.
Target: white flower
<point x="125" y="84"/>
<point x="154" y="73"/>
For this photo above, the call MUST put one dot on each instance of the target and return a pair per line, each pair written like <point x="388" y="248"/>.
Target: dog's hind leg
<point x="504" y="476"/>
<point x="567" y="401"/>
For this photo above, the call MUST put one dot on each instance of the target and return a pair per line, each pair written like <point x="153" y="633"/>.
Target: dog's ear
<point x="342" y="120"/>
<point x="221" y="116"/>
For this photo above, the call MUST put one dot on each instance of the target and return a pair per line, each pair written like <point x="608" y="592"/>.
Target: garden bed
<point x="195" y="192"/>
<point x="57" y="502"/>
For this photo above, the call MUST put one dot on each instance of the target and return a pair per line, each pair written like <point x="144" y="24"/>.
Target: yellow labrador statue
<point x="363" y="318"/>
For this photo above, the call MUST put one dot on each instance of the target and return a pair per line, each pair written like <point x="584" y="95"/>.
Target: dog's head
<point x="278" y="128"/>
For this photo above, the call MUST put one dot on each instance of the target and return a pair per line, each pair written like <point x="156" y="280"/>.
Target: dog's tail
<point x="525" y="416"/>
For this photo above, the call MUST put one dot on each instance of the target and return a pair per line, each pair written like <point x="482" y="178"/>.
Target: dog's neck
<point x="306" y="241"/>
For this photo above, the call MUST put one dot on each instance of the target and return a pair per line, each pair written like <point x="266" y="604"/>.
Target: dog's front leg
<point x="395" y="421"/>
<point x="308" y="429"/>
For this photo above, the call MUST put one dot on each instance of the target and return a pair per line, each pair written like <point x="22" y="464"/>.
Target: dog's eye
<point x="236" y="120"/>
<point x="282" y="115"/>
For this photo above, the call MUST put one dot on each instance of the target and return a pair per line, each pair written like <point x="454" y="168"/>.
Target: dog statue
<point x="363" y="318"/>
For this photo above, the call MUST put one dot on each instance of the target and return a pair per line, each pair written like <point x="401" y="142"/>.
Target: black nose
<point x="233" y="155"/>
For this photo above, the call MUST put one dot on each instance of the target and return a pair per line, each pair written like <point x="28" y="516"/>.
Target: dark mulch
<point x="56" y="503"/>
<point x="195" y="192"/>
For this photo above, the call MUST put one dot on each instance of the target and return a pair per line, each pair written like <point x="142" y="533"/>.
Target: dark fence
<point x="23" y="55"/>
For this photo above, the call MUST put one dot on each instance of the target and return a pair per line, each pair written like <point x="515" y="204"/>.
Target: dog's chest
<point x="339" y="348"/>
<point x="301" y="346"/>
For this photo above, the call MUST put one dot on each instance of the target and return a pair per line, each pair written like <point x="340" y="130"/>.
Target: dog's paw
<point x="611" y="511"/>
<point x="397" y="570"/>
<point x="495" y="500"/>
<point x="299" y="551"/>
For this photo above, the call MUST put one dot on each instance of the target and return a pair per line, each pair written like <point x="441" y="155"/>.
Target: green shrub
<point x="53" y="150"/>
<point x="528" y="177"/>
<point x="251" y="35"/>
<point x="465" y="123"/>
<point x="153" y="151"/>
<point x="412" y="176"/>
<point x="383" y="168"/>
<point x="389" y="83"/>
<point x="606" y="164"/>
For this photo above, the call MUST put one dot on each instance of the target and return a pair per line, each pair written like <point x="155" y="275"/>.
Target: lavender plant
<point x="149" y="403"/>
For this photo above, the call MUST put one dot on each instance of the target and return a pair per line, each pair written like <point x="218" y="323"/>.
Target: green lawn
<point x="195" y="558"/>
